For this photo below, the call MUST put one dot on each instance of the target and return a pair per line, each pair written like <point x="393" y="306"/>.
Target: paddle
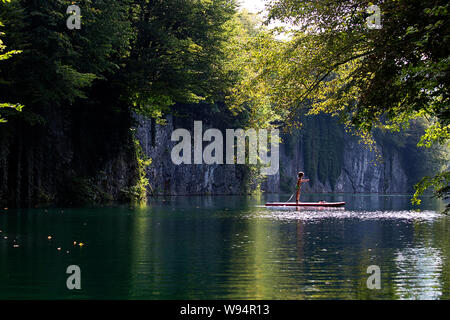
<point x="291" y="196"/>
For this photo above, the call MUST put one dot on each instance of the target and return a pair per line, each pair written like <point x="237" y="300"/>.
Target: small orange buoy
<point x="74" y="243"/>
<point x="49" y="237"/>
<point x="59" y="249"/>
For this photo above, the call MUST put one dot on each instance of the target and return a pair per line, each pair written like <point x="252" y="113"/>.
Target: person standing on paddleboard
<point x="299" y="184"/>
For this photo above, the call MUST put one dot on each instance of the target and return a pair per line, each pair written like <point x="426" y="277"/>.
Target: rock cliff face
<point x="362" y="171"/>
<point x="69" y="159"/>
<point x="184" y="179"/>
<point x="358" y="171"/>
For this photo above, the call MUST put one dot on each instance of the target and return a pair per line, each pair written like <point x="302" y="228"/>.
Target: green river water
<point x="228" y="247"/>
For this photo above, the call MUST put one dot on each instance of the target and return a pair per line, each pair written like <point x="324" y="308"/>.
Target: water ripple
<point x="343" y="214"/>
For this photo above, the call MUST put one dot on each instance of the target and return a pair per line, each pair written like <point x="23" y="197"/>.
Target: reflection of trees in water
<point x="215" y="202"/>
<point x="233" y="255"/>
<point x="178" y="255"/>
<point x="441" y="236"/>
<point x="378" y="202"/>
<point x="300" y="243"/>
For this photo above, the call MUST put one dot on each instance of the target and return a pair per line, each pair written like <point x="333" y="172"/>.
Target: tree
<point x="335" y="63"/>
<point x="4" y="56"/>
<point x="82" y="86"/>
<point x="60" y="64"/>
<point x="177" y="53"/>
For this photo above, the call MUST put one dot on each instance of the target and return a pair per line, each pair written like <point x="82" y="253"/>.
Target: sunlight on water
<point x="311" y="215"/>
<point x="418" y="273"/>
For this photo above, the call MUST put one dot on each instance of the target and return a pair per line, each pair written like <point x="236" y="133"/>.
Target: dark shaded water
<point x="228" y="248"/>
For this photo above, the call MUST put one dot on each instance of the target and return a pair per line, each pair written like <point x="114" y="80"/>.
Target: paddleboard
<point x="305" y="204"/>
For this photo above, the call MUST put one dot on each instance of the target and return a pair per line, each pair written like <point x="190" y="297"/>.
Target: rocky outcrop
<point x="184" y="179"/>
<point x="65" y="160"/>
<point x="363" y="171"/>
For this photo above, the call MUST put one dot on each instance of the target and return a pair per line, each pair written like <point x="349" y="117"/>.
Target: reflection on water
<point x="417" y="268"/>
<point x="340" y="213"/>
<point x="229" y="248"/>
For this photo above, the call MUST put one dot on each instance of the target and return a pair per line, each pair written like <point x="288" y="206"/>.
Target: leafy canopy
<point x="370" y="78"/>
<point x="4" y="56"/>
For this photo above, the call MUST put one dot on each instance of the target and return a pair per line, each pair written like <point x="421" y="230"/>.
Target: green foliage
<point x="82" y="190"/>
<point x="4" y="56"/>
<point x="252" y="94"/>
<point x="16" y="107"/>
<point x="65" y="62"/>
<point x="252" y="179"/>
<point x="441" y="185"/>
<point x="369" y="77"/>
<point x="150" y="54"/>
<point x="137" y="194"/>
<point x="151" y="57"/>
<point x="416" y="160"/>
<point x="178" y="53"/>
<point x="333" y="63"/>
